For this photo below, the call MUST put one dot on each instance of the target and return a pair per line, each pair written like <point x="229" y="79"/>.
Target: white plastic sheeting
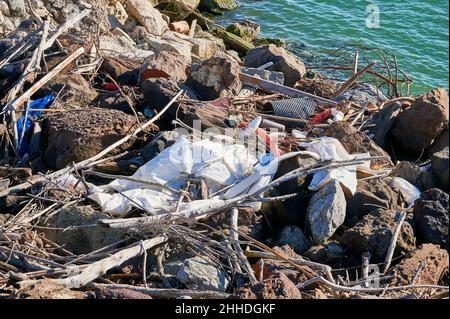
<point x="218" y="164"/>
<point x="328" y="148"/>
<point x="410" y="192"/>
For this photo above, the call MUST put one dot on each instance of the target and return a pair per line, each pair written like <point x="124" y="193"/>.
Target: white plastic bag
<point x="328" y="148"/>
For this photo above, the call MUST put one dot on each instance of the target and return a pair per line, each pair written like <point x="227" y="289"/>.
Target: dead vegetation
<point x="336" y="203"/>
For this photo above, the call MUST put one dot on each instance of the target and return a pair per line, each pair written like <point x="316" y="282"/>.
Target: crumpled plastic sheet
<point x="218" y="164"/>
<point x="410" y="192"/>
<point x="328" y="148"/>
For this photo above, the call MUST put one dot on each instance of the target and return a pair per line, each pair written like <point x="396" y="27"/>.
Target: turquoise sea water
<point x="415" y="30"/>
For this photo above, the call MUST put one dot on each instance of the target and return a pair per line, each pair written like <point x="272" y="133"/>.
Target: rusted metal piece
<point x="344" y="87"/>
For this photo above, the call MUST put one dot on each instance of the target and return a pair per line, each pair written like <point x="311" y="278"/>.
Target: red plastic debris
<point x="266" y="137"/>
<point x="322" y="116"/>
<point x="152" y="74"/>
<point x="110" y="86"/>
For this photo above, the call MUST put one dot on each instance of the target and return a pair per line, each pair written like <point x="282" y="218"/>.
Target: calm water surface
<point x="416" y="31"/>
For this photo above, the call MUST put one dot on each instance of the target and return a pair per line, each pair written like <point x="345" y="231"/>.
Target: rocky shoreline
<point x="348" y="200"/>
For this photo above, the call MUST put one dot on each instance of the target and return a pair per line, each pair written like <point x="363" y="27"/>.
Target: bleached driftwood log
<point x="99" y="268"/>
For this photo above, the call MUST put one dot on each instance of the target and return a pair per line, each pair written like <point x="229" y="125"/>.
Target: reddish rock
<point x="287" y="251"/>
<point x="165" y="64"/>
<point x="74" y="136"/>
<point x="272" y="267"/>
<point x="332" y="253"/>
<point x="373" y="233"/>
<point x="115" y="68"/>
<point x="74" y="90"/>
<point x="441" y="142"/>
<point x="355" y="141"/>
<point x="417" y="127"/>
<point x="49" y="289"/>
<point x="369" y="196"/>
<point x="277" y="286"/>
<point x="107" y="293"/>
<point x="429" y="263"/>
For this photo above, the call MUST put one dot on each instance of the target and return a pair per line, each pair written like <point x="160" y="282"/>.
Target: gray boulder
<point x="417" y="127"/>
<point x="326" y="212"/>
<point x="294" y="237"/>
<point x="17" y="7"/>
<point x="197" y="273"/>
<point x="362" y="94"/>
<point x="150" y="18"/>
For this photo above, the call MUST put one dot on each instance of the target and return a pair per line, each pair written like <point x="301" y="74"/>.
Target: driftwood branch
<point x="235" y="242"/>
<point x="322" y="281"/>
<point x="99" y="268"/>
<point x="393" y="243"/>
<point x="166" y="293"/>
<point x="261" y="254"/>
